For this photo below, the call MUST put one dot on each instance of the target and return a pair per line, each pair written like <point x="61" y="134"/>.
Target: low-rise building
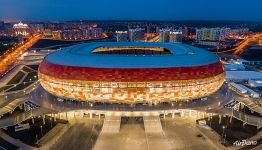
<point x="240" y="76"/>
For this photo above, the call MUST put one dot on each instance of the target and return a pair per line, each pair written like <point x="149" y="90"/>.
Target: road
<point x="9" y="58"/>
<point x="244" y="44"/>
<point x="155" y="39"/>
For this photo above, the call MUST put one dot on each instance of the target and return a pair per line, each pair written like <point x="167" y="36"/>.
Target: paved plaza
<point x="183" y="134"/>
<point x="80" y="136"/>
<point x="179" y="133"/>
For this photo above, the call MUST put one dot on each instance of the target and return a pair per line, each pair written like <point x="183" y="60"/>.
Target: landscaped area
<point x="231" y="132"/>
<point x="6" y="145"/>
<point x="25" y="77"/>
<point x="36" y="131"/>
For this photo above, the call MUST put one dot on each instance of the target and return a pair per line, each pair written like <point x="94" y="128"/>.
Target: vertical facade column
<point x="43" y="119"/>
<point x="81" y="113"/>
<point x="197" y="113"/>
<point x="66" y="115"/>
<point x="182" y="113"/>
<point x="55" y="117"/>
<point x="33" y="120"/>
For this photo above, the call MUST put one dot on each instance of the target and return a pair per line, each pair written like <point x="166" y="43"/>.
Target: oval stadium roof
<point x="81" y="55"/>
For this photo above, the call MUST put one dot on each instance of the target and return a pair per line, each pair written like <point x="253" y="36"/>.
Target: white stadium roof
<point x="243" y="75"/>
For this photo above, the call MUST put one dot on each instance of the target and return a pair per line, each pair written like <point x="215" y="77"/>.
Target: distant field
<point x="252" y="54"/>
<point x="6" y="43"/>
<point x="43" y="43"/>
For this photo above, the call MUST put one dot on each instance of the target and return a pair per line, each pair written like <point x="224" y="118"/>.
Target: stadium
<point x="131" y="72"/>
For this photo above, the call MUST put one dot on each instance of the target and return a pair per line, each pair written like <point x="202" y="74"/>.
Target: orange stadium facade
<point x="131" y="72"/>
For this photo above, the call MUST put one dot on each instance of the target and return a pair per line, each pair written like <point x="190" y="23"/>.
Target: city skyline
<point x="44" y="10"/>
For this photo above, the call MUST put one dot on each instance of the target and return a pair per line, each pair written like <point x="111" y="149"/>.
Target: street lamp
<point x="223" y="133"/>
<point x="223" y="129"/>
<point x="51" y="122"/>
<point x="225" y="138"/>
<point x="41" y="127"/>
<point x="36" y="139"/>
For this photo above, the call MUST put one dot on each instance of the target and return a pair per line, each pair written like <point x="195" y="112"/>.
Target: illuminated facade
<point x="131" y="72"/>
<point x="21" y="29"/>
<point x="210" y="34"/>
<point x="121" y="36"/>
<point x="136" y="35"/>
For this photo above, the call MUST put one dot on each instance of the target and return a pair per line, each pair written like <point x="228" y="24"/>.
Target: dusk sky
<point x="131" y="10"/>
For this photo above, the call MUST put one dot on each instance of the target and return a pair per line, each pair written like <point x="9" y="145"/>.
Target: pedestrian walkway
<point x="152" y="124"/>
<point x="15" y="119"/>
<point x="111" y="124"/>
<point x="52" y="137"/>
<point x="12" y="105"/>
<point x="249" y="119"/>
<point x="250" y="103"/>
<point x="132" y="136"/>
<point x="7" y="77"/>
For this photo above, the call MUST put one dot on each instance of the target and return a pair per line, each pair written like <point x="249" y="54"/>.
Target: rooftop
<point x="243" y="75"/>
<point x="82" y="55"/>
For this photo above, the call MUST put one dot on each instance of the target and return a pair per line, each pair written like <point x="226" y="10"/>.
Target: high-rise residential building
<point x="175" y="36"/>
<point x="36" y="28"/>
<point x="224" y="33"/>
<point x="184" y="31"/>
<point x="157" y="29"/>
<point x="92" y="33"/>
<point x="121" y="36"/>
<point x="239" y="31"/>
<point x="81" y="34"/>
<point x="164" y="35"/>
<point x="208" y="34"/>
<point x="74" y="34"/>
<point x="96" y="32"/>
<point x="169" y="35"/>
<point x="136" y="35"/>
<point x="86" y="34"/>
<point x="147" y="29"/>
